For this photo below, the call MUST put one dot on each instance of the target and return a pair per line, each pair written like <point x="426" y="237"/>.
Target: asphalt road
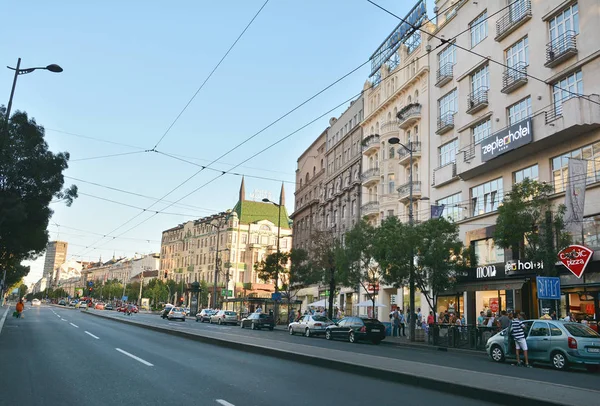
<point x="465" y="360"/>
<point x="58" y="356"/>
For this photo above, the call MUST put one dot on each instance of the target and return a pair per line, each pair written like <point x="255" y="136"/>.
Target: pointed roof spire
<point x="282" y="196"/>
<point x="113" y="255"/>
<point x="100" y="259"/>
<point x="242" y="191"/>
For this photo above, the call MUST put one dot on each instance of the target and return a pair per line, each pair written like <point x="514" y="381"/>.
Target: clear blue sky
<point x="130" y="67"/>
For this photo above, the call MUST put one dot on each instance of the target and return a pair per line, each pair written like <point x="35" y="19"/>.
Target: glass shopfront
<point x="452" y="304"/>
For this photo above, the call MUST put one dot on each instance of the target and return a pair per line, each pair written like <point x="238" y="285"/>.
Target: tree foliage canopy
<point x="31" y="176"/>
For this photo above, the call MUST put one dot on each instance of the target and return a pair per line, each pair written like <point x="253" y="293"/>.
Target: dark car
<point x="204" y="315"/>
<point x="257" y="321"/>
<point x="62" y="303"/>
<point x="166" y="311"/>
<point x="356" y="329"/>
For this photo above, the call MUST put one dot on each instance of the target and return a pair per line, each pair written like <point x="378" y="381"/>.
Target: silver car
<point x="310" y="325"/>
<point x="224" y="317"/>
<point x="176" y="313"/>
<point x="556" y="342"/>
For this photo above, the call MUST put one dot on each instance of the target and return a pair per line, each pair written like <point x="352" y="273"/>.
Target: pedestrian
<point x="395" y="323"/>
<point x="419" y="317"/>
<point x="553" y="315"/>
<point x="299" y="316"/>
<point x="402" y="323"/>
<point x="518" y="334"/>
<point x="504" y="320"/>
<point x="258" y="309"/>
<point x="568" y="318"/>
<point x="430" y="318"/>
<point x="19" y="308"/>
<point x="481" y="319"/>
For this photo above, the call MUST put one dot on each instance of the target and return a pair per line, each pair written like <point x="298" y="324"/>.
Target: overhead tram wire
<point x="137" y="207"/>
<point x="449" y="42"/>
<point x="107" y="156"/>
<point x="262" y="130"/>
<point x="210" y="74"/>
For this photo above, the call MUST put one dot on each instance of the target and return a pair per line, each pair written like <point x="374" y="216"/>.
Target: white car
<point x="36" y="302"/>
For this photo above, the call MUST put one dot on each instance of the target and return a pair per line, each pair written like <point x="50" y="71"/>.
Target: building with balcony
<point x="56" y="254"/>
<point x="227" y="244"/>
<point x="545" y="89"/>
<point x="343" y="157"/>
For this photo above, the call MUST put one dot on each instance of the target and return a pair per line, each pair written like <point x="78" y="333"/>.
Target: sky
<point x="129" y="70"/>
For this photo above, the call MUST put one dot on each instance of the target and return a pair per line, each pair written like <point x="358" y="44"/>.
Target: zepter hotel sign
<point x="511" y="138"/>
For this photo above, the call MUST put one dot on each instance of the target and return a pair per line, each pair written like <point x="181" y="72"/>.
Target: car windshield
<point x="176" y="309"/>
<point x="230" y="313"/>
<point x="320" y="318"/>
<point x="581" y="330"/>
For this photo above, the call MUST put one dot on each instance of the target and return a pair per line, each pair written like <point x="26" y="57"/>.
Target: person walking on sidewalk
<point x="19" y="308"/>
<point x="395" y="323"/>
<point x="518" y="334"/>
<point x="402" y="323"/>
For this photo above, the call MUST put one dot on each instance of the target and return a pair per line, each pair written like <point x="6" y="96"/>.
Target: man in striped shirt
<point x="518" y="333"/>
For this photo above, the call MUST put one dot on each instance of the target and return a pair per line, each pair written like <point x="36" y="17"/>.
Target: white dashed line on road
<point x="91" y="335"/>
<point x="134" y="357"/>
<point x="74" y="325"/>
<point x="224" y="402"/>
<point x="64" y="319"/>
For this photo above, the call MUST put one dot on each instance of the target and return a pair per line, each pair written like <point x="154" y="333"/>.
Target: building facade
<point x="56" y="254"/>
<point x="521" y="111"/>
<point x="340" y="207"/>
<point x="308" y="215"/>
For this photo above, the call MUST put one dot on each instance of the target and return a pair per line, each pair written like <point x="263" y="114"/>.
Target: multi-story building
<point x="56" y="254"/>
<point x="521" y="108"/>
<point x="343" y="156"/>
<point x="228" y="244"/>
<point x="397" y="107"/>
<point x="308" y="215"/>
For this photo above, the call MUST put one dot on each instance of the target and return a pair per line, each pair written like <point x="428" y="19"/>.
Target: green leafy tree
<point x="291" y="281"/>
<point x="31" y="177"/>
<point x="530" y="225"/>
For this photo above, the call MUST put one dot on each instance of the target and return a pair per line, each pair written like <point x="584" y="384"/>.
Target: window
<point x="518" y="54"/>
<point x="539" y="329"/>
<point x="344" y="211"/>
<point x="353" y="208"/>
<point x="519" y="111"/>
<point x="478" y="29"/>
<point x="566" y="21"/>
<point x="391" y="182"/>
<point x="486" y="197"/>
<point x="451" y="207"/>
<point x="448" y="152"/>
<point x="487" y="252"/>
<point x="555" y="331"/>
<point x="560" y="165"/>
<point x="448" y="104"/>
<point x="392" y="152"/>
<point x="566" y="88"/>
<point x="447" y="56"/>
<point x="481" y="131"/>
<point x="530" y="172"/>
<point x="480" y="79"/>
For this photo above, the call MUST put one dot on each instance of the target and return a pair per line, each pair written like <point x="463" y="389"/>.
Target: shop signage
<point x="548" y="288"/>
<point x="512" y="267"/>
<point x="506" y="140"/>
<point x="488" y="271"/>
<point x="575" y="258"/>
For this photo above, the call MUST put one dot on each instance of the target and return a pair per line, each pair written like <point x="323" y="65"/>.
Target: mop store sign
<point x="513" y="137"/>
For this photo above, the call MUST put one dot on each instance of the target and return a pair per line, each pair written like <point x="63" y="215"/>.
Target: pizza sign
<point x="575" y="258"/>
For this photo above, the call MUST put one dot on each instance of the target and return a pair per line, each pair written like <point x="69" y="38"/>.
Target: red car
<point x="127" y="308"/>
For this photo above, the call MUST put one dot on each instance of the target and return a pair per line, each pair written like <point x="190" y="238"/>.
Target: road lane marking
<point x="4" y="318"/>
<point x="58" y="315"/>
<point x="134" y="357"/>
<point x="74" y="325"/>
<point x="224" y="402"/>
<point x="90" y="334"/>
<point x="64" y="319"/>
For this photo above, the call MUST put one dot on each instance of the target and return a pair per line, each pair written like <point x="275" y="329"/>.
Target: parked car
<point x="204" y="315"/>
<point x="176" y="313"/>
<point x="559" y="343"/>
<point x="258" y="321"/>
<point x="36" y="302"/>
<point x="81" y="305"/>
<point x="108" y="306"/>
<point x="224" y="317"/>
<point x="186" y="310"/>
<point x="166" y="310"/>
<point x="73" y="303"/>
<point x="310" y="325"/>
<point x="356" y="329"/>
<point x="99" y="306"/>
<point x="127" y="308"/>
<point x="62" y="303"/>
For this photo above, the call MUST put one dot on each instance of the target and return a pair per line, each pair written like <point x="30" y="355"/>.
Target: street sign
<point x="276" y="296"/>
<point x="124" y="298"/>
<point x="227" y="293"/>
<point x="548" y="288"/>
<point x="575" y="258"/>
<point x="90" y="283"/>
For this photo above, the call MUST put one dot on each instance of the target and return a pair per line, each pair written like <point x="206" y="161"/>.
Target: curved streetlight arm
<point x="396" y="140"/>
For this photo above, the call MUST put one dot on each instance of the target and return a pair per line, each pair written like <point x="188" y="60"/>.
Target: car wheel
<point x="559" y="361"/>
<point x="352" y="337"/>
<point x="307" y="332"/>
<point x="496" y="353"/>
<point x="291" y="330"/>
<point x="328" y="335"/>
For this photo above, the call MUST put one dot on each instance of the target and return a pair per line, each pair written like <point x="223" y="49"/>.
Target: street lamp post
<point x="18" y="71"/>
<point x="411" y="277"/>
<point x="278" y="250"/>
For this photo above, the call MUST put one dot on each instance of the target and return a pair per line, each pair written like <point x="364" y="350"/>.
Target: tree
<point x="31" y="176"/>
<point x="527" y="225"/>
<point x="291" y="281"/>
<point x="273" y="266"/>
<point x="359" y="266"/>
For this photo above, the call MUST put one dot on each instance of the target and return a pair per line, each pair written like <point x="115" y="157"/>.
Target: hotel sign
<point x="511" y="138"/>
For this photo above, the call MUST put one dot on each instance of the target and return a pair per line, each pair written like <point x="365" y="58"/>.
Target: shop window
<point x="487" y="252"/>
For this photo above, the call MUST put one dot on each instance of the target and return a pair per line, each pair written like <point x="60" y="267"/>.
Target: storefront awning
<point x="492" y="285"/>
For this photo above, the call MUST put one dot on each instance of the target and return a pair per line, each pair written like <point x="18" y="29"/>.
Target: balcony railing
<point x="370" y="208"/>
<point x="518" y="14"/>
<point x="514" y="77"/>
<point x="389" y="127"/>
<point x="445" y="123"/>
<point x="409" y="115"/>
<point x="372" y="141"/>
<point x="404" y="155"/>
<point x="444" y="74"/>
<point x="404" y="190"/>
<point x="561" y="48"/>
<point x="369" y="174"/>
<point x="477" y="100"/>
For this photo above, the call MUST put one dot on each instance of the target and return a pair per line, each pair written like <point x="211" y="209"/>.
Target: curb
<point x="436" y="348"/>
<point x="459" y="389"/>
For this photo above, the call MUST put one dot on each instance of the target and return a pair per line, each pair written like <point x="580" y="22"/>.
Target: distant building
<point x="56" y="254"/>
